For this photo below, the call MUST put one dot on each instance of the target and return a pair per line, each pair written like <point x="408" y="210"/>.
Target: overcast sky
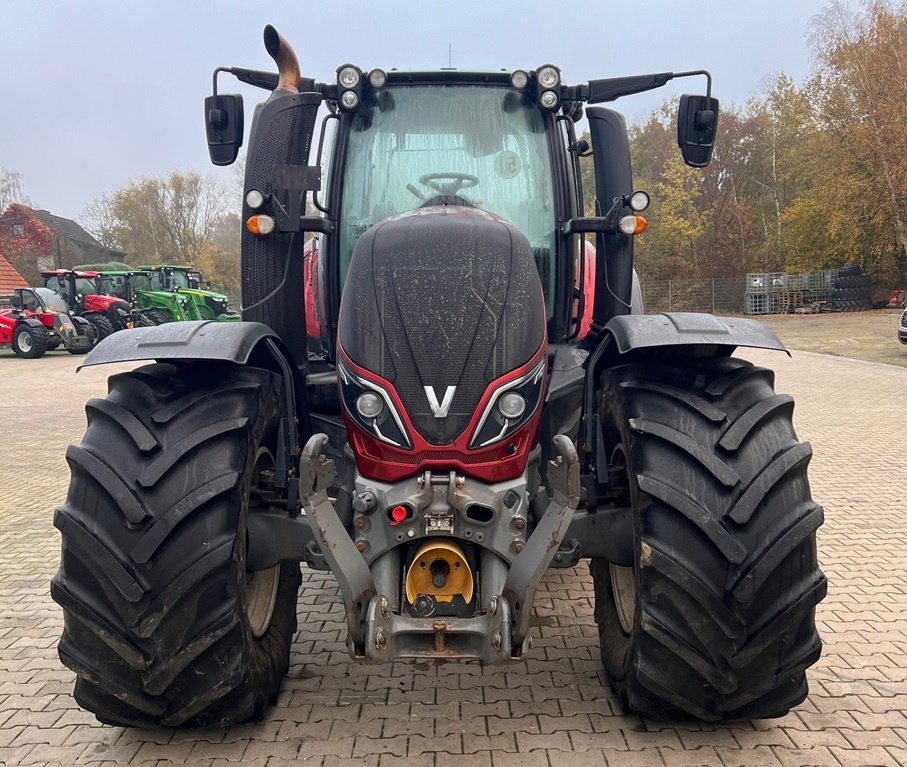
<point x="96" y="93"/>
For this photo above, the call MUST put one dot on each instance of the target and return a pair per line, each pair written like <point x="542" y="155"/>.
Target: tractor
<point x="442" y="396"/>
<point x="87" y="295"/>
<point x="204" y="304"/>
<point x="39" y="321"/>
<point x="154" y="303"/>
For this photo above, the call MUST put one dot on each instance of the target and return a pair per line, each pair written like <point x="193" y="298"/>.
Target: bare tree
<point x="11" y="189"/>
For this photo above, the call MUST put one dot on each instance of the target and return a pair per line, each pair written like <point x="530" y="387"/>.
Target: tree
<point x="11" y="189"/>
<point x="169" y="219"/>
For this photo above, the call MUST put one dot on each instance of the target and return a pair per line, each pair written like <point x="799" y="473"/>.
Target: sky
<point x="95" y="94"/>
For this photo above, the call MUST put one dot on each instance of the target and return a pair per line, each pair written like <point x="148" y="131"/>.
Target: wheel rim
<point x="261" y="585"/>
<point x="623" y="579"/>
<point x="24" y="341"/>
<point x="623" y="585"/>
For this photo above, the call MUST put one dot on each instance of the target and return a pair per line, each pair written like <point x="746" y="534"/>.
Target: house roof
<point x="10" y="279"/>
<point x="67" y="229"/>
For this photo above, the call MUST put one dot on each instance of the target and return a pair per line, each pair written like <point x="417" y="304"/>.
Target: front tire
<point x="30" y="341"/>
<point x="163" y="624"/>
<point x="101" y="324"/>
<point x="716" y="617"/>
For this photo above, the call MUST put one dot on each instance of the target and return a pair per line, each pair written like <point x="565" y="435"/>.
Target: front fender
<point x="204" y="340"/>
<point x="640" y="331"/>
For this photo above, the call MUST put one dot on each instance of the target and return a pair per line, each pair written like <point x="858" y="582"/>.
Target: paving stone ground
<point x="552" y="709"/>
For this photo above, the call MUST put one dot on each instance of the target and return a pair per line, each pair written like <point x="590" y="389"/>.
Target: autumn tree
<point x="860" y="88"/>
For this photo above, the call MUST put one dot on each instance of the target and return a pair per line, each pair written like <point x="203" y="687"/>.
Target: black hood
<point x="441" y="297"/>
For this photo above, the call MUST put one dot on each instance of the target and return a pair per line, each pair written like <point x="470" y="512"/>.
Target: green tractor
<point x="204" y="304"/>
<point x="475" y="397"/>
<point x="155" y="305"/>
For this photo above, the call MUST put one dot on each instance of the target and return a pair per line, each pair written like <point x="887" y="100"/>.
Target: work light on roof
<point x="548" y="77"/>
<point x="519" y="79"/>
<point x="377" y="78"/>
<point x="549" y="99"/>
<point x="349" y="100"/>
<point x="348" y="76"/>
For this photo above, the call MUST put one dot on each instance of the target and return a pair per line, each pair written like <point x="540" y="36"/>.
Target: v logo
<point x="440" y="410"/>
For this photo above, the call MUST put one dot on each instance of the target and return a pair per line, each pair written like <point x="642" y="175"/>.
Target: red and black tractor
<point x="85" y="295"/>
<point x="431" y="404"/>
<point x="39" y="321"/>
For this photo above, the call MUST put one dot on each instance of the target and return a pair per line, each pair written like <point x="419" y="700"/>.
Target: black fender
<point x="193" y="340"/>
<point x="240" y="343"/>
<point x="645" y="331"/>
<point x="31" y="321"/>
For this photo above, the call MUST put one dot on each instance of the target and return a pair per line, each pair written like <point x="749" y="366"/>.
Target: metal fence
<point x="721" y="295"/>
<point x="754" y="293"/>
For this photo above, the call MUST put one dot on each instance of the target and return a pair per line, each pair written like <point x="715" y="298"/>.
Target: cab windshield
<point x="416" y="146"/>
<point x="52" y="300"/>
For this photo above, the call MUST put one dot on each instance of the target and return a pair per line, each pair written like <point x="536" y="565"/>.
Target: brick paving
<point x="552" y="709"/>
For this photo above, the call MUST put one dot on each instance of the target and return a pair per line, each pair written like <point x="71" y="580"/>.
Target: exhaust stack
<point x="287" y="63"/>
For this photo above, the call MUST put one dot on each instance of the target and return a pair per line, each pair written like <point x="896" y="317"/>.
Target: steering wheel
<point x="455" y="182"/>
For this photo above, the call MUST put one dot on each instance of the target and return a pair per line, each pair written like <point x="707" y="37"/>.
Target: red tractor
<point x="85" y="295"/>
<point x="39" y="321"/>
<point x="445" y="433"/>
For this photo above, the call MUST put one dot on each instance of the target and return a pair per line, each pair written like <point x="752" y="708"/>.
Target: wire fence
<point x="720" y="295"/>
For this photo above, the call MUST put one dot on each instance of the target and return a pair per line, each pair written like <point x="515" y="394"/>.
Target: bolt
<point x="380" y="638"/>
<point x="517" y="547"/>
<point x="493" y="605"/>
<point x="496" y="640"/>
<point x="519" y="523"/>
<point x="361" y="523"/>
<point x="382" y="606"/>
<point x="362" y="545"/>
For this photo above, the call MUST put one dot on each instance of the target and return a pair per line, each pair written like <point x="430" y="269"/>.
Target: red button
<point x="398" y="514"/>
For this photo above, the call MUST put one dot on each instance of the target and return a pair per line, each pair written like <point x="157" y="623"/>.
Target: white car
<point x="902" y="328"/>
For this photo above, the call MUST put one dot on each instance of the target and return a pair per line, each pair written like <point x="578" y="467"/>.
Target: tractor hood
<point x="439" y="303"/>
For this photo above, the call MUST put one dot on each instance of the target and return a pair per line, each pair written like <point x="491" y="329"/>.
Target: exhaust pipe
<point x="287" y="63"/>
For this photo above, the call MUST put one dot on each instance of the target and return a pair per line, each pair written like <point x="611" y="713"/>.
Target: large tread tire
<point x="30" y="341"/>
<point x="152" y="579"/>
<point x="101" y="324"/>
<point x="157" y="316"/>
<point x="722" y="622"/>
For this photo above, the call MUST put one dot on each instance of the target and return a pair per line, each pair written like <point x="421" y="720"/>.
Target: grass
<point x="870" y="336"/>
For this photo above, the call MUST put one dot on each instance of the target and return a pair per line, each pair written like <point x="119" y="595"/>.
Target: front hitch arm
<point x="316" y="474"/>
<point x="530" y="564"/>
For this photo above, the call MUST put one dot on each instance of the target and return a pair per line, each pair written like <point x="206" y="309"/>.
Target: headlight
<point x="369" y="405"/>
<point x="255" y="199"/>
<point x="510" y="406"/>
<point x="639" y="201"/>
<point x="348" y="76"/>
<point x="349" y="100"/>
<point x="548" y="100"/>
<point x="372" y="408"/>
<point x="519" y="79"/>
<point x="377" y="78"/>
<point x="548" y="77"/>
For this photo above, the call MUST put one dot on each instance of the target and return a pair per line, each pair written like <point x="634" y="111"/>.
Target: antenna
<point x="449" y="65"/>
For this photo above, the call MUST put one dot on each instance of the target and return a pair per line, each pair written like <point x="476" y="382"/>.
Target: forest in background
<point x="804" y="177"/>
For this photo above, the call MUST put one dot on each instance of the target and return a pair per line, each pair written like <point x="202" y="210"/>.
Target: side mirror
<point x="224" y="125"/>
<point x="697" y="124"/>
<point x="17" y="300"/>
